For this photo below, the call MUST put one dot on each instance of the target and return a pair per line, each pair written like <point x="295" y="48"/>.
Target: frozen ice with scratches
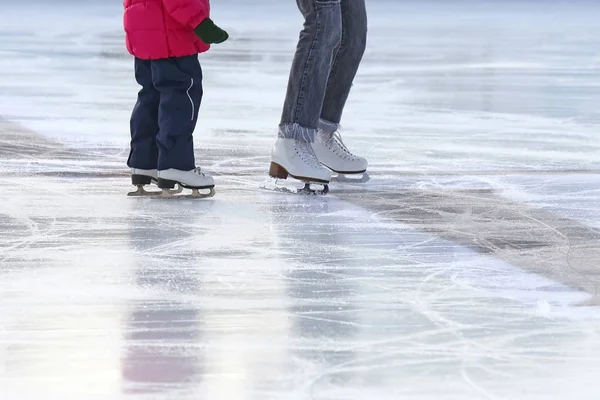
<point x="467" y="268"/>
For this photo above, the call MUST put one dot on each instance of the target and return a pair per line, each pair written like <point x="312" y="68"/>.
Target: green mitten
<point x="209" y="33"/>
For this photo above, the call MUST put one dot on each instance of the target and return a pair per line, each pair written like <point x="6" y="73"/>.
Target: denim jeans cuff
<point x="328" y="126"/>
<point x="297" y="132"/>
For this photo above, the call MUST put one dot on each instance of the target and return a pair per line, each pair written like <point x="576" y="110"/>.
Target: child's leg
<point x="144" y="120"/>
<point x="179" y="81"/>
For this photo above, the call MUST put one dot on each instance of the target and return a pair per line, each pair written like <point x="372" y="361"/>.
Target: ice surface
<point x="467" y="268"/>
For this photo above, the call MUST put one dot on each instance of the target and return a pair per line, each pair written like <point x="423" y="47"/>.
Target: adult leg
<point x="346" y="62"/>
<point x="311" y="68"/>
<point x="179" y="81"/>
<point x="328" y="147"/>
<point x="144" y="120"/>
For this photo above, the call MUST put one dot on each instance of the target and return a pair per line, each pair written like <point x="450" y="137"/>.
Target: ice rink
<point x="466" y="268"/>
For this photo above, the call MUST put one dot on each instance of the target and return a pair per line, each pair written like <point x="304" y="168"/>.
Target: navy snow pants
<point x="165" y="114"/>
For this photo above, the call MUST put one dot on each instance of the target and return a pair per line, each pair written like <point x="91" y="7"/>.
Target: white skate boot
<point x="141" y="178"/>
<point x="332" y="153"/>
<point x="194" y="179"/>
<point x="290" y="157"/>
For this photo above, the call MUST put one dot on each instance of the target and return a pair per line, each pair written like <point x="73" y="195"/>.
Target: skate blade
<point x="273" y="185"/>
<point x="196" y="194"/>
<point x="355" y="178"/>
<point x="141" y="192"/>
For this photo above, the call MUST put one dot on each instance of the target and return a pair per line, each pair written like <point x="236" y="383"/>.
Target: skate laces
<point x="198" y="171"/>
<point x="337" y="146"/>
<point x="307" y="154"/>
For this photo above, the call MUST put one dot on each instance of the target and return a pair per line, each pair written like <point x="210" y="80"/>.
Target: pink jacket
<point x="157" y="29"/>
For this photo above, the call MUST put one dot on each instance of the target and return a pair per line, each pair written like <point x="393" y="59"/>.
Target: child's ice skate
<point x="143" y="177"/>
<point x="332" y="153"/>
<point x="291" y="157"/>
<point x="194" y="179"/>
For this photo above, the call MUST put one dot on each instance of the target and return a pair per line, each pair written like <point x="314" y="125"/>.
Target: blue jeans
<point x="327" y="58"/>
<point x="165" y="114"/>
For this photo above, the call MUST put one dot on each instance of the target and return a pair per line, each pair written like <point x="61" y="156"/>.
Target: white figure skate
<point x="290" y="157"/>
<point x="194" y="179"/>
<point x="141" y="178"/>
<point x="333" y="153"/>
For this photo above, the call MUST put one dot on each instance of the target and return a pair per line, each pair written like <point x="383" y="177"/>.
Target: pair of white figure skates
<point x="172" y="182"/>
<point x="311" y="163"/>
